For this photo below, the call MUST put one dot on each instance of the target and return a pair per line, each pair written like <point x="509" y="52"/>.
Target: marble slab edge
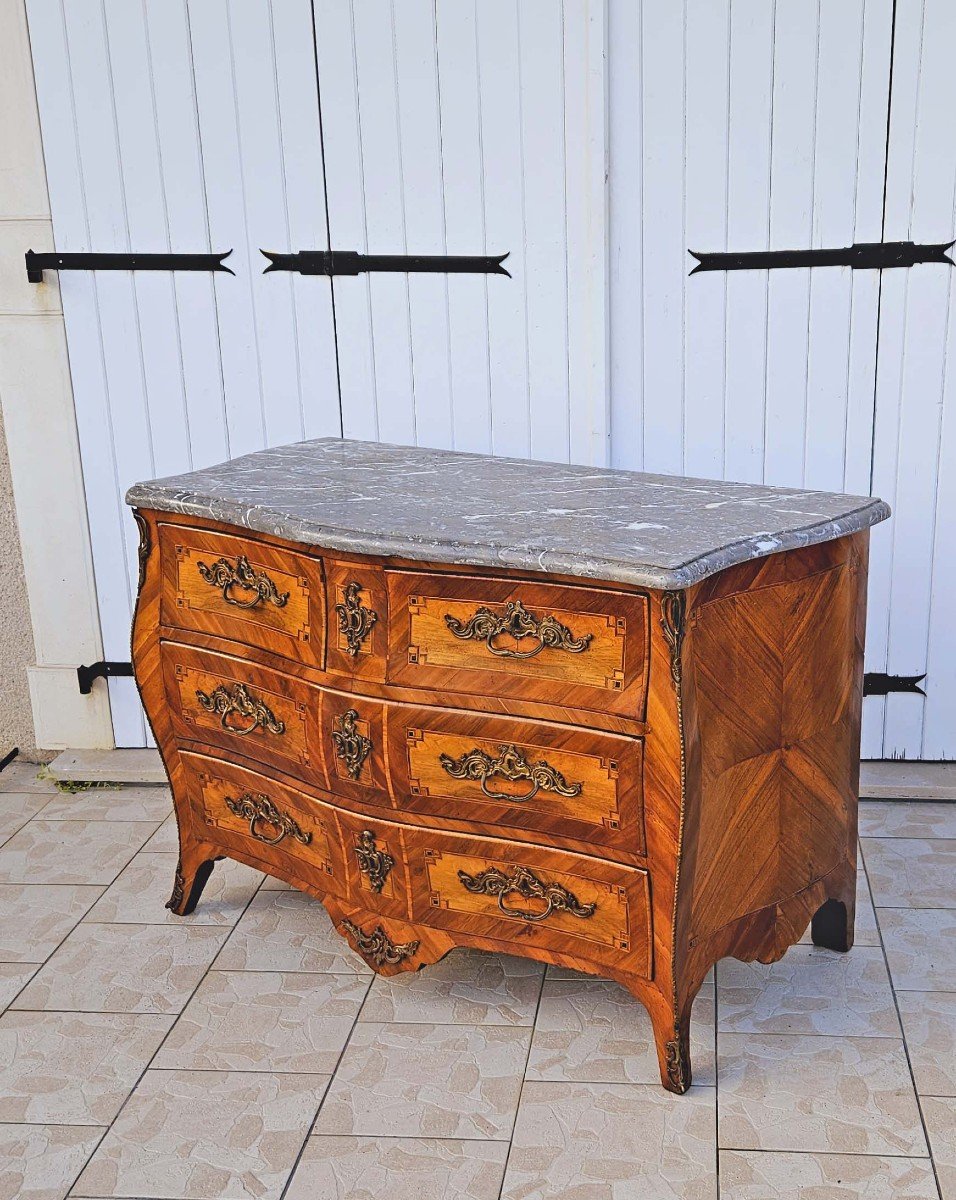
<point x="277" y="523"/>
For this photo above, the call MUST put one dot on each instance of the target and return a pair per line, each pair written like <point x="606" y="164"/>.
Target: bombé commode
<point x="601" y="719"/>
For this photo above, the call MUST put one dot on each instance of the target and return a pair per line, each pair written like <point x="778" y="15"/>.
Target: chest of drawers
<point x="604" y="720"/>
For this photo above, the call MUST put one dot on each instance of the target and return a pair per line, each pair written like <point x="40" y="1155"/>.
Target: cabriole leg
<point x="192" y="874"/>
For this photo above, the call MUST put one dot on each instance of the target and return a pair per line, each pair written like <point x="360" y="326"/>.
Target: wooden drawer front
<point x="353" y="732"/>
<point x="357" y="620"/>
<point x="244" y="707"/>
<point x="375" y="868"/>
<point x="242" y="589"/>
<point x="568" y="646"/>
<point x="504" y="890"/>
<point x="244" y="811"/>
<point x="519" y="773"/>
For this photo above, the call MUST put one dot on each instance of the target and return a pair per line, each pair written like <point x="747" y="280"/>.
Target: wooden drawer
<point x="243" y="589"/>
<point x="332" y="739"/>
<point x="564" y="902"/>
<point x="357" y="620"/>
<point x="574" y="647"/>
<point x="297" y="836"/>
<point x="525" y="774"/>
<point x="290" y="833"/>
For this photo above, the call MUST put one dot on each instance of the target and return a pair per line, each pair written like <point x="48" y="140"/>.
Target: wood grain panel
<point x="294" y="626"/>
<point x="356" y="592"/>
<point x="618" y="926"/>
<point x="608" y="673"/>
<point x="603" y="772"/>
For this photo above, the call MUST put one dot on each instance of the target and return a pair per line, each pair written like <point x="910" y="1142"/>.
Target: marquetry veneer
<point x="628" y="780"/>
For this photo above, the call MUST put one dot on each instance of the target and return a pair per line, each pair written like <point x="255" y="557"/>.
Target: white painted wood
<point x="170" y="127"/>
<point x="471" y="129"/>
<point x="915" y="592"/>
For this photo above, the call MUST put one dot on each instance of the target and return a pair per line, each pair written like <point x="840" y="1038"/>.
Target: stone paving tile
<point x="139" y="894"/>
<point x="608" y="1141"/>
<point x="467" y="987"/>
<point x="110" y="804"/>
<point x="252" y="1021"/>
<point x="940" y="1116"/>
<point x="763" y="1175"/>
<point x="35" y="918"/>
<point x="422" y="1080"/>
<point x="368" y="1168"/>
<point x="920" y="948"/>
<point x="166" y="838"/>
<point x="826" y="1094"/>
<point x="72" y="1068"/>
<point x="205" y="1135"/>
<point x="40" y="1162"/>
<point x="911" y="872"/>
<point x="288" y="931"/>
<point x="71" y="851"/>
<point x="13" y="978"/>
<point x="16" y="808"/>
<point x="26" y="777"/>
<point x="593" y="1031"/>
<point x="809" y="991"/>
<point x="918" y="819"/>
<point x="929" y="1027"/>
<point x="124" y="968"/>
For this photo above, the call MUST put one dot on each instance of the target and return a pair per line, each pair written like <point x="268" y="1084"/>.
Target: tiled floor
<point x="245" y="1052"/>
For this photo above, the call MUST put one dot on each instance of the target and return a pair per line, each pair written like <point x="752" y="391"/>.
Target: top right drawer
<point x="573" y="647"/>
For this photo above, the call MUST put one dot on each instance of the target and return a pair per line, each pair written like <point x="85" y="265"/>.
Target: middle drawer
<point x="530" y="776"/>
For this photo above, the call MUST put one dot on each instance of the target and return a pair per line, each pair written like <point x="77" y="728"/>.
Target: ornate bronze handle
<point x="378" y="946"/>
<point x="225" y="575"/>
<point x="223" y="701"/>
<point x="510" y="764"/>
<point x="352" y="747"/>
<point x="494" y="882"/>
<point x="355" y="620"/>
<point x="258" y="808"/>
<point x="485" y="626"/>
<point x="373" y="862"/>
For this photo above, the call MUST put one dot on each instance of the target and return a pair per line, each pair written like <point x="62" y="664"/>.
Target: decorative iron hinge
<point x="38" y="263"/>
<point x="861" y="256"/>
<point x="350" y="262"/>
<point x="876" y="683"/>
<point x="101" y="670"/>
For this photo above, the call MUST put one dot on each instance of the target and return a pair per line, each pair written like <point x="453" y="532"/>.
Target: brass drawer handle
<point x="355" y="620"/>
<point x="510" y="764"/>
<point x="352" y="747"/>
<point x="493" y="882"/>
<point x="373" y="862"/>
<point x="485" y="626"/>
<point x="258" y="809"/>
<point x="224" y="701"/>
<point x="243" y="575"/>
<point x="378" y="946"/>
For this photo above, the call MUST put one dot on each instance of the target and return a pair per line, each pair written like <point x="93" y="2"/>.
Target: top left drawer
<point x="246" y="590"/>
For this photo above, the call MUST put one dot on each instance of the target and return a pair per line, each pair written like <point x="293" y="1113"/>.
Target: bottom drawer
<point x="513" y="892"/>
<point x="291" y="834"/>
<point x="530" y="895"/>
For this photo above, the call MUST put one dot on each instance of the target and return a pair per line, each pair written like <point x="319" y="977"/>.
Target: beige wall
<point x="48" y="619"/>
<point x="16" y="631"/>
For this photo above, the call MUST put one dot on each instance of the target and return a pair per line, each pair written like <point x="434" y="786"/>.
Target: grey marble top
<point x="656" y="531"/>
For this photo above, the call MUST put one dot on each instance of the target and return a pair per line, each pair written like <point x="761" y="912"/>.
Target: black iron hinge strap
<point x="101" y="670"/>
<point x="53" y="261"/>
<point x="876" y="683"/>
<point x="350" y="262"/>
<point x="876" y="256"/>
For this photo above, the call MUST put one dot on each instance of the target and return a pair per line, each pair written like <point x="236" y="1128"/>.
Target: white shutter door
<point x="470" y="129"/>
<point x="913" y="567"/>
<point x="183" y="128"/>
<point x="745" y="126"/>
